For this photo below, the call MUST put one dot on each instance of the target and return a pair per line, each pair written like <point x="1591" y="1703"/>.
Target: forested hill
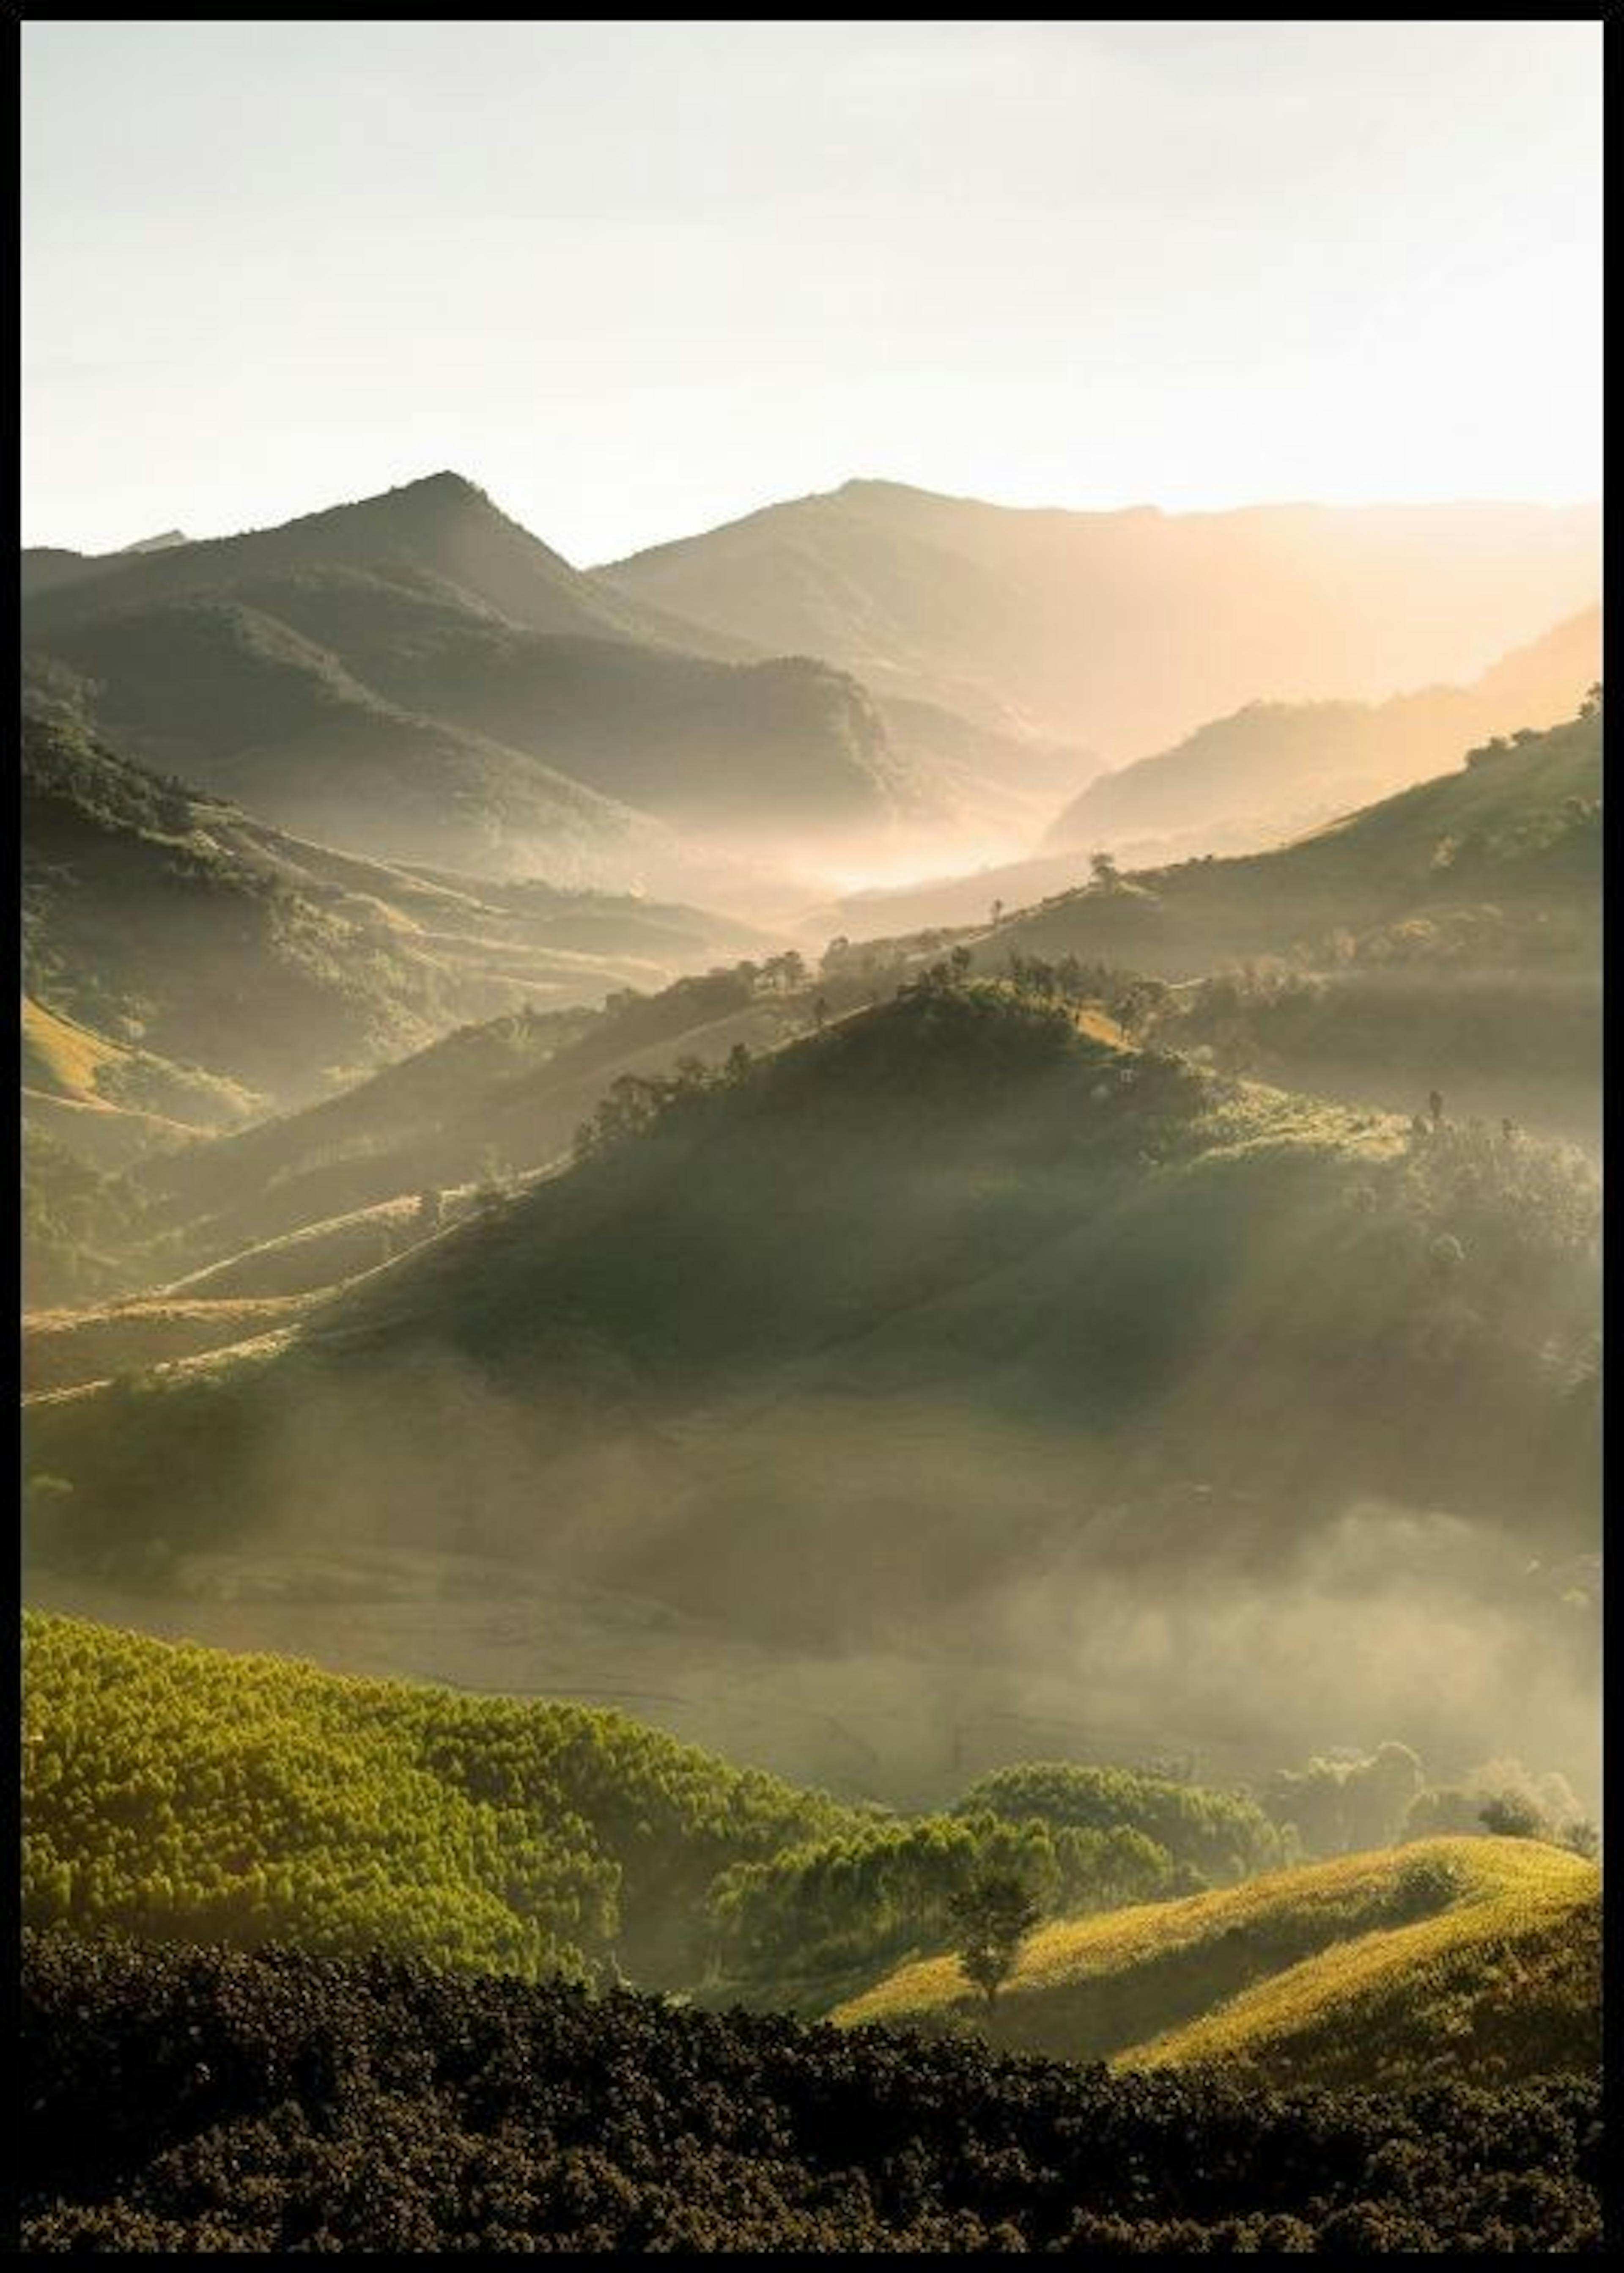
<point x="197" y="2100"/>
<point x="972" y="1201"/>
<point x="1516" y="829"/>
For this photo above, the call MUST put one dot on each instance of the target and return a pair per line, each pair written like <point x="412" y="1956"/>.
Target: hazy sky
<point x="635" y="278"/>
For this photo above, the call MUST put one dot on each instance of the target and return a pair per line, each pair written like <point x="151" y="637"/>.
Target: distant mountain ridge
<point x="1276" y="767"/>
<point x="161" y="543"/>
<point x="418" y="678"/>
<point x="442" y="518"/>
<point x="1124" y="630"/>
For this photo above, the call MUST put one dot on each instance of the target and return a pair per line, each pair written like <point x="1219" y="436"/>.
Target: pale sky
<point x="635" y="278"/>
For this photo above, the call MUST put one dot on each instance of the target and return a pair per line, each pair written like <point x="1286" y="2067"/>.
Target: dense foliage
<point x="1218" y="1835"/>
<point x="792" y="1925"/>
<point x="187" y="1794"/>
<point x="183" y="1793"/>
<point x="189" y="2100"/>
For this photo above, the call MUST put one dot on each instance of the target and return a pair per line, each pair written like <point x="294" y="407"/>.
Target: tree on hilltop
<point x="991" y="1917"/>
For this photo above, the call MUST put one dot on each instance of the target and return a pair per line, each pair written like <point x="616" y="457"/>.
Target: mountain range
<point x="1125" y="631"/>
<point x="416" y="677"/>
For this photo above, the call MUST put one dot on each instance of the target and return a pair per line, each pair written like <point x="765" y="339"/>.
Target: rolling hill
<point x="512" y="1091"/>
<point x="416" y="677"/>
<point x="1448" y="937"/>
<point x="1124" y="631"/>
<point x="953" y="1326"/>
<point x="1472" y="1957"/>
<point x="162" y="924"/>
<point x="340" y="1815"/>
<point x="412" y="1906"/>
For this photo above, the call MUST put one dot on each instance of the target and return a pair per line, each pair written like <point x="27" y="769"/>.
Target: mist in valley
<point x="811" y="1119"/>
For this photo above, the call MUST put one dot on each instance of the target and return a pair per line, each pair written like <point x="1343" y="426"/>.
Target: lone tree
<point x="991" y="1917"/>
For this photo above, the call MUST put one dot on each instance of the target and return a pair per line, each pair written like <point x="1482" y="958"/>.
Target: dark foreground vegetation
<point x="192" y="2099"/>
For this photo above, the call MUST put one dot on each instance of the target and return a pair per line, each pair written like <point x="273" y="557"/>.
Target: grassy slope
<point x="513" y="1089"/>
<point x="67" y="1349"/>
<point x="69" y="1064"/>
<point x="1313" y="1975"/>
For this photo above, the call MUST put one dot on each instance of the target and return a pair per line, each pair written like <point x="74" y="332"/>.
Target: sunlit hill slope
<point x="1473" y="1956"/>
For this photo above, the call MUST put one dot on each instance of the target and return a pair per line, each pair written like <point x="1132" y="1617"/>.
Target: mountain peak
<point x="446" y="484"/>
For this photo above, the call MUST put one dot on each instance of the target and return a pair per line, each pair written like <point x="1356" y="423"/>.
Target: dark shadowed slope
<point x="202" y="2100"/>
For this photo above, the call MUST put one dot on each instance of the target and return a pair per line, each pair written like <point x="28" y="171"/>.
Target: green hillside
<point x="183" y="1793"/>
<point x="1475" y="1957"/>
<point x="1094" y="1292"/>
<point x="180" y="1793"/>
<point x="189" y="1794"/>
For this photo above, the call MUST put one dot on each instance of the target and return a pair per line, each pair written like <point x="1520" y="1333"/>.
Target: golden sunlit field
<point x="1317" y="1973"/>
